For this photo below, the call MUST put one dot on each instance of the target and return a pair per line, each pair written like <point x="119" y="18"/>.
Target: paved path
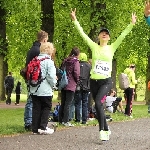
<point x="22" y="104"/>
<point x="129" y="135"/>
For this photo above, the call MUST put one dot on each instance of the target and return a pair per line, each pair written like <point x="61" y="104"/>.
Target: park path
<point x="128" y="135"/>
<point x="22" y="104"/>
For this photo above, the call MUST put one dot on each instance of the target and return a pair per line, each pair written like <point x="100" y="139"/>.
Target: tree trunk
<point x="3" y="48"/>
<point x="147" y="93"/>
<point x="48" y="17"/>
<point x="113" y="74"/>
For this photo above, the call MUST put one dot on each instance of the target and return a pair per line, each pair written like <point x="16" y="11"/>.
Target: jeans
<point x="28" y="112"/>
<point x="81" y="98"/>
<point x="66" y="100"/>
<point x="72" y="110"/>
<point x="100" y="88"/>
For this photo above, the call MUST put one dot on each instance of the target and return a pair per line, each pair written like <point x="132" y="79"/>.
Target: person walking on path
<point x="18" y="92"/>
<point x="9" y="85"/>
<point x="34" y="51"/>
<point x="102" y="55"/>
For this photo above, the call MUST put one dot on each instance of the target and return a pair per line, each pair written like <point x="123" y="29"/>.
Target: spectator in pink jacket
<point x="67" y="94"/>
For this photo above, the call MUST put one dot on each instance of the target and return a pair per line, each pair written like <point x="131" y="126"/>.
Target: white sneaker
<point x="131" y="116"/>
<point x="104" y="136"/>
<point x="107" y="134"/>
<point x="68" y="124"/>
<point x="47" y="131"/>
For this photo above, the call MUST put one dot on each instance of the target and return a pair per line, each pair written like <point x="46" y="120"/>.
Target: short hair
<point x="46" y="48"/>
<point x="75" y="51"/>
<point x="41" y="35"/>
<point x="10" y="73"/>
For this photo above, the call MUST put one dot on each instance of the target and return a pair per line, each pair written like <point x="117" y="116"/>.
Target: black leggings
<point x="129" y="94"/>
<point x="100" y="88"/>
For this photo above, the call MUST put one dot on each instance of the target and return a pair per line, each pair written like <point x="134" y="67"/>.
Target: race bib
<point x="102" y="67"/>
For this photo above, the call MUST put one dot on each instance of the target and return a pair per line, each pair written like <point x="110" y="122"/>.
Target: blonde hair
<point x="47" y="48"/>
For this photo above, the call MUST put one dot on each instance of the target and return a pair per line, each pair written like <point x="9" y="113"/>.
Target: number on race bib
<point x="102" y="67"/>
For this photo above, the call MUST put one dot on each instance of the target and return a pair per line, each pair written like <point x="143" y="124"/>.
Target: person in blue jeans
<point x="82" y="90"/>
<point x="147" y="12"/>
<point x="34" y="51"/>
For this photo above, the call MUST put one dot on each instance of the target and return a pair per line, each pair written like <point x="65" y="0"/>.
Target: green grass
<point x="11" y="120"/>
<point x="23" y="97"/>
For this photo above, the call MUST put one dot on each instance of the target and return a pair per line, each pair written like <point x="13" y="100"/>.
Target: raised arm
<point x="124" y="33"/>
<point x="88" y="41"/>
<point x="147" y="12"/>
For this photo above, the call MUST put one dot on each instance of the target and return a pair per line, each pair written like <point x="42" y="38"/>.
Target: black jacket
<point x="33" y="52"/>
<point x="9" y="82"/>
<point x="85" y="69"/>
<point x="18" y="88"/>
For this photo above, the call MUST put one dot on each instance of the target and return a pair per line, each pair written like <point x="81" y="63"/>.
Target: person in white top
<point x="113" y="102"/>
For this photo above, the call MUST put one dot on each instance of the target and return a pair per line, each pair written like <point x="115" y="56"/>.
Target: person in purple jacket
<point x="147" y="12"/>
<point x="67" y="94"/>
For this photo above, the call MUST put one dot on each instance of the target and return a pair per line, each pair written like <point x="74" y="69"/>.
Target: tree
<point x="48" y="17"/>
<point x="3" y="51"/>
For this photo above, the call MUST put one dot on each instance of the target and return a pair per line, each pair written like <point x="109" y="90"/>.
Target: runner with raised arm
<point x="102" y="55"/>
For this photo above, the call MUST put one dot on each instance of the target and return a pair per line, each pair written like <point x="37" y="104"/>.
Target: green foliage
<point x="65" y="36"/>
<point x="134" y="47"/>
<point x="23" y="22"/>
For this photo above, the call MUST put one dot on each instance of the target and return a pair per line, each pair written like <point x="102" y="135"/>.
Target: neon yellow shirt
<point x="102" y="56"/>
<point x="131" y="75"/>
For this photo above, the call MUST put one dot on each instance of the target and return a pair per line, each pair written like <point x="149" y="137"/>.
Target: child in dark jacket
<point x="18" y="91"/>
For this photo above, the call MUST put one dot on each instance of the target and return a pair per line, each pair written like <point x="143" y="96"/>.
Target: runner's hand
<point x="134" y="18"/>
<point x="73" y="14"/>
<point x="147" y="8"/>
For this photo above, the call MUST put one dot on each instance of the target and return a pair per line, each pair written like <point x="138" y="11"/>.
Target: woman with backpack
<point x="102" y="55"/>
<point x="129" y="92"/>
<point x="43" y="92"/>
<point x="72" y="67"/>
<point x="82" y="90"/>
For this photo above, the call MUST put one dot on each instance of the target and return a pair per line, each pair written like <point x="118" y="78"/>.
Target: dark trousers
<point x="129" y="94"/>
<point x="17" y="98"/>
<point x="90" y="100"/>
<point x="116" y="103"/>
<point x="81" y="97"/>
<point x="64" y="110"/>
<point x="8" y="93"/>
<point x="100" y="88"/>
<point x="40" y="112"/>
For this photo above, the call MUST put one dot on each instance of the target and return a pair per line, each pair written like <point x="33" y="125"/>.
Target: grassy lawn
<point x="23" y="97"/>
<point x="12" y="119"/>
